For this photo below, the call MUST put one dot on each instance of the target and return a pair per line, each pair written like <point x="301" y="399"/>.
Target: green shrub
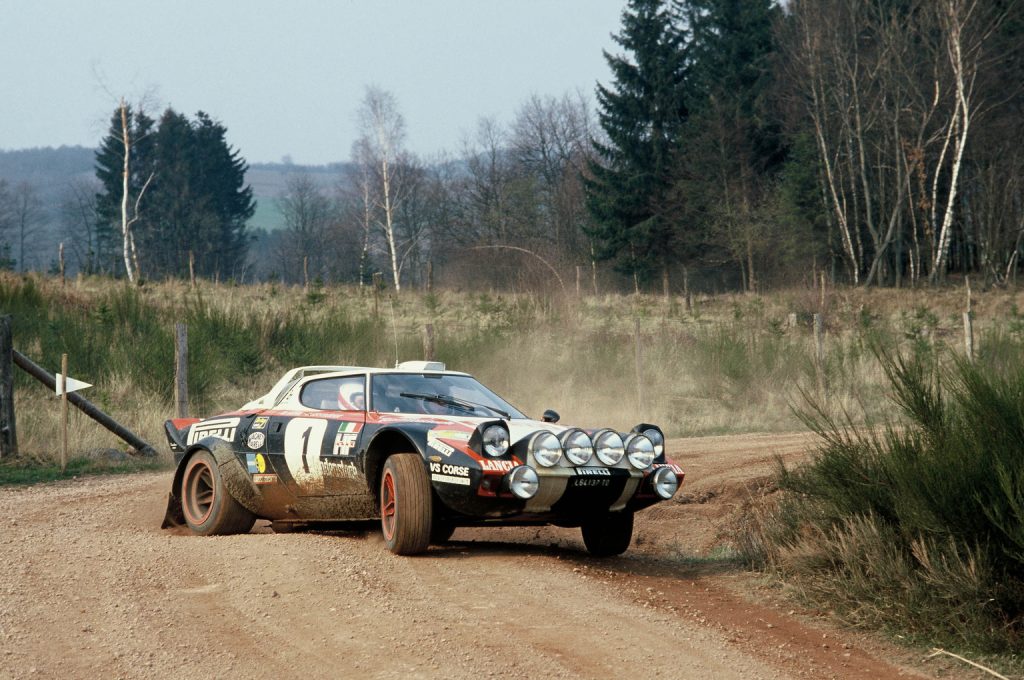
<point x="918" y="526"/>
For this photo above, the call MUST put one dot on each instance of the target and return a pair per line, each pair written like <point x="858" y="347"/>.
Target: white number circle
<point x="303" y="441"/>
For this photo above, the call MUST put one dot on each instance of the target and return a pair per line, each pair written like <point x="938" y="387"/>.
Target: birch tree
<point x="382" y="138"/>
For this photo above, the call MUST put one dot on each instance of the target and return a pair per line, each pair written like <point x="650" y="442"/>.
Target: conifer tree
<point x="642" y="114"/>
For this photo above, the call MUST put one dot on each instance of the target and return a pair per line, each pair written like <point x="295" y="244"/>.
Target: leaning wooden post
<point x="60" y="258"/>
<point x="8" y="432"/>
<point x="969" y="323"/>
<point x="191" y="269"/>
<point x="428" y="342"/>
<point x="305" y="274"/>
<point x="63" y="388"/>
<point x="181" y="370"/>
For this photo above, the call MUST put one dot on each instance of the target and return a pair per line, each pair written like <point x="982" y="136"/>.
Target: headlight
<point x="657" y="438"/>
<point x="545" y="449"/>
<point x="495" y="440"/>
<point x="523" y="482"/>
<point x="640" y="451"/>
<point x="665" y="482"/>
<point x="578" y="447"/>
<point x="609" y="447"/>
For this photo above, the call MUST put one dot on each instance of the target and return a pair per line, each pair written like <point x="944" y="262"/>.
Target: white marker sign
<point x="72" y="385"/>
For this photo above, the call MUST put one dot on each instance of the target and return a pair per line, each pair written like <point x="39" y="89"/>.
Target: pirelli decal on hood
<point x="221" y="428"/>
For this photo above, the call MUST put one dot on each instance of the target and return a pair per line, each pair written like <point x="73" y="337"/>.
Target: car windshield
<point x="437" y="394"/>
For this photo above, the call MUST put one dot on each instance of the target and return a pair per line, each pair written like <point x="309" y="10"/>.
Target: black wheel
<point x="405" y="504"/>
<point x="608" y="535"/>
<point x="208" y="507"/>
<point x="441" y="531"/>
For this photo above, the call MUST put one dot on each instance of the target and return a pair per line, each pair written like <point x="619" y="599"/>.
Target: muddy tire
<point x="208" y="507"/>
<point x="608" y="535"/>
<point x="405" y="504"/>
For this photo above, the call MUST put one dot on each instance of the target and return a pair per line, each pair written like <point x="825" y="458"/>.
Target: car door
<point x="318" y="446"/>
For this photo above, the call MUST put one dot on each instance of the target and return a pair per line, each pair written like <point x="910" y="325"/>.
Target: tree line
<point x="737" y="144"/>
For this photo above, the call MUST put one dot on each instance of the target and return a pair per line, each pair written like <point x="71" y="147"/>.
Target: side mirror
<point x="550" y="416"/>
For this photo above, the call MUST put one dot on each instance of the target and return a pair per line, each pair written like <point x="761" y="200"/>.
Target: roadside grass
<point x="20" y="471"/>
<point x="916" y="527"/>
<point x="734" y="363"/>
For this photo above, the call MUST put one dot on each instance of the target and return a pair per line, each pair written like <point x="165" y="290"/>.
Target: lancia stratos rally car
<point x="422" y="448"/>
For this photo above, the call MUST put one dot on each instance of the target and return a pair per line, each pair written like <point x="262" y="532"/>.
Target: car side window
<point x="334" y="394"/>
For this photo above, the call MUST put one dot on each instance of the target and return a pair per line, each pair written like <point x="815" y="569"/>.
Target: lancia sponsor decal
<point x="440" y="446"/>
<point x="264" y="479"/>
<point x="256" y="440"/>
<point x="221" y="428"/>
<point x="594" y="471"/>
<point x="344" y="442"/>
<point x="497" y="465"/>
<point x="260" y="422"/>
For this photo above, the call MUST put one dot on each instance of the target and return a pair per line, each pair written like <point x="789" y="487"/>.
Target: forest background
<point x="738" y="146"/>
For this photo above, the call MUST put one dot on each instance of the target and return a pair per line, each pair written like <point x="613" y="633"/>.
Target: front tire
<point x="208" y="507"/>
<point x="608" y="535"/>
<point x="405" y="504"/>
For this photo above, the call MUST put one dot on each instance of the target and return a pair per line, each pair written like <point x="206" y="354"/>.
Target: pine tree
<point x="642" y="114"/>
<point x="733" y="139"/>
<point x="197" y="201"/>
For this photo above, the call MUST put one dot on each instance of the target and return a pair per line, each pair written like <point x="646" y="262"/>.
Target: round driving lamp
<point x="609" y="447"/>
<point x="665" y="482"/>
<point x="577" y="446"/>
<point x="523" y="482"/>
<point x="495" y="441"/>
<point x="640" y="451"/>
<point x="657" y="438"/>
<point x="545" y="449"/>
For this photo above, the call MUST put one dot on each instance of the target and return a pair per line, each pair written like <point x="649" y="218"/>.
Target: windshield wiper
<point x="467" y="406"/>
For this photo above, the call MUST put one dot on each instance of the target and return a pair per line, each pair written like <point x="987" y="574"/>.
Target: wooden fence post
<point x="305" y="274"/>
<point x="8" y="432"/>
<point x="191" y="269"/>
<point x="819" y="349"/>
<point x="63" y="388"/>
<point x="969" y="323"/>
<point x="181" y="370"/>
<point x="639" y="372"/>
<point x="60" y="256"/>
<point x="428" y="342"/>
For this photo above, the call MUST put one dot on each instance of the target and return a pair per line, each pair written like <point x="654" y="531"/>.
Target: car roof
<point x="299" y="374"/>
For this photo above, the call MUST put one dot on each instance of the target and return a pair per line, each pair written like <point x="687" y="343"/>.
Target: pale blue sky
<point x="286" y="77"/>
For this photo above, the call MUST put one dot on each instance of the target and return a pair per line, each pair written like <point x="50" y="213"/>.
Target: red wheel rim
<point x="387" y="505"/>
<point x="199" y="492"/>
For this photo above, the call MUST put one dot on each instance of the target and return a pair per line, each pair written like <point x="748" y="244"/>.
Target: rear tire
<point x="405" y="504"/>
<point x="208" y="507"/>
<point x="608" y="535"/>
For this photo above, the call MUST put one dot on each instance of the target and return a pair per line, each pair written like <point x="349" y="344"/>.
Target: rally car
<point x="423" y="449"/>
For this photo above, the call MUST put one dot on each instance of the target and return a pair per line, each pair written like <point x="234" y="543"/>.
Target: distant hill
<point x="52" y="170"/>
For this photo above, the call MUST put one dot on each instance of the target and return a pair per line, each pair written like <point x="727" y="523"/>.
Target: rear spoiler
<point x="176" y="431"/>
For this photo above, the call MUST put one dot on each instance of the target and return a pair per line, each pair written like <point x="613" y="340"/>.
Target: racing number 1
<point x="305" y="448"/>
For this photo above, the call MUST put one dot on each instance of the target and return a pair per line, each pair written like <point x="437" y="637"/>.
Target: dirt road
<point x="90" y="587"/>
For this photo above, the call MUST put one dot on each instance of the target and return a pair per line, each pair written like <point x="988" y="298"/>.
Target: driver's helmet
<point x="350" y="396"/>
